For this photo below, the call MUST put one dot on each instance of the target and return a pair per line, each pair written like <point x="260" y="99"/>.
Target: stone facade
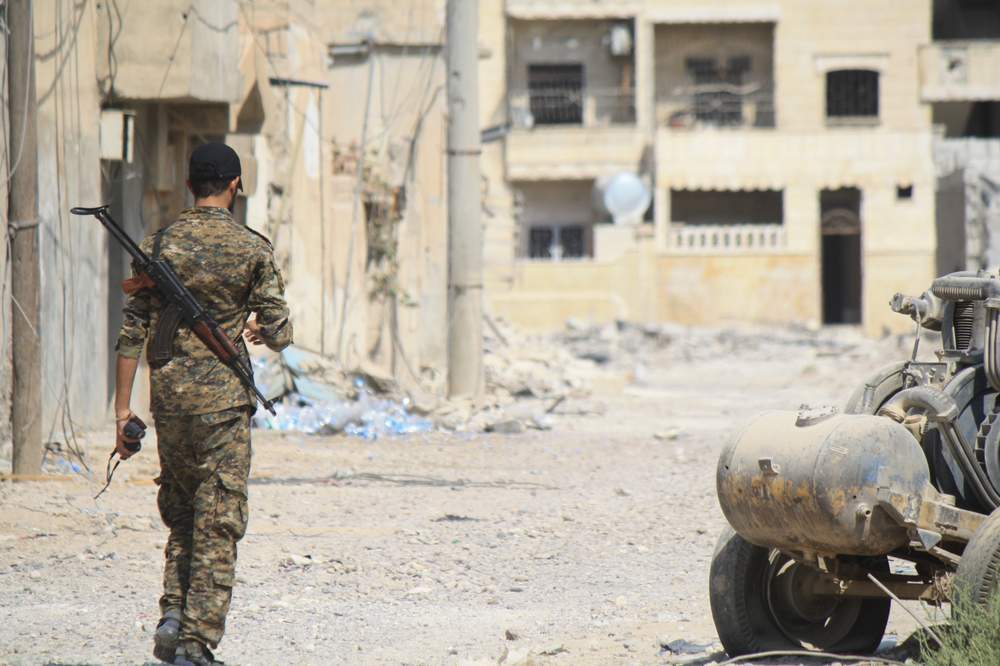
<point x="770" y="129"/>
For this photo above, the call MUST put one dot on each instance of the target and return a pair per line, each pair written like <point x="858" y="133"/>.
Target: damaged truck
<point x="833" y="515"/>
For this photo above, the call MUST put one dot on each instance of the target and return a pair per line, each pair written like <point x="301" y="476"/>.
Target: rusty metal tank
<point x="811" y="483"/>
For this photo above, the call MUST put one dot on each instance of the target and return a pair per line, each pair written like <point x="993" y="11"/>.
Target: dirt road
<point x="586" y="544"/>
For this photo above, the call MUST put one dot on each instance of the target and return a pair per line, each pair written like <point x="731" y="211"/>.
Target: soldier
<point x="201" y="410"/>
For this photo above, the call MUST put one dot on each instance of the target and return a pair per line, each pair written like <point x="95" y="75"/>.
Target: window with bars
<point x="852" y="93"/>
<point x="556" y="94"/>
<point x="716" y="97"/>
<point x="557" y="242"/>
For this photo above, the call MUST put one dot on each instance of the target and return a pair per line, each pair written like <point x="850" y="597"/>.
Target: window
<point x="852" y="93"/>
<point x="557" y="242"/>
<point x="717" y="98"/>
<point x="904" y="192"/>
<point x="556" y="93"/>
<point x="727" y="207"/>
<point x="540" y="242"/>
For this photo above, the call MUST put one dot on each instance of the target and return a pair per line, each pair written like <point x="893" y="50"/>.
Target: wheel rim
<point x="806" y="618"/>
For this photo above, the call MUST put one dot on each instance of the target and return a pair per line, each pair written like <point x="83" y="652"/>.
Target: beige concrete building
<point x="787" y="146"/>
<point x="127" y="90"/>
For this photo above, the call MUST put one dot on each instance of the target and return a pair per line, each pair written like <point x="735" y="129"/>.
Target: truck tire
<point x="751" y="614"/>
<point x="877" y="388"/>
<point x="979" y="569"/>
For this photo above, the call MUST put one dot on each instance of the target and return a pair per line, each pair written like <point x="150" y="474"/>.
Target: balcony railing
<point x="726" y="238"/>
<point x="565" y="105"/>
<point x="717" y="105"/>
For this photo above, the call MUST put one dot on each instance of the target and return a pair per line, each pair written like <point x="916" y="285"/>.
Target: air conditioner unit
<point x="620" y="40"/>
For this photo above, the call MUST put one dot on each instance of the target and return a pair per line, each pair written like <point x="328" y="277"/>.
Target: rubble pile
<point x="517" y="365"/>
<point x="317" y="397"/>
<point x="611" y="343"/>
<point x="622" y="344"/>
<point x="527" y="378"/>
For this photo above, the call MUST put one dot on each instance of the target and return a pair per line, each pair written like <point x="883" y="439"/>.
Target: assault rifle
<point x="159" y="274"/>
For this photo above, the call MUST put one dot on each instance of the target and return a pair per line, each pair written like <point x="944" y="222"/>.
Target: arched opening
<point x="840" y="226"/>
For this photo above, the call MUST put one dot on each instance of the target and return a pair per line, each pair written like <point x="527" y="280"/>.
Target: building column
<point x="645" y="82"/>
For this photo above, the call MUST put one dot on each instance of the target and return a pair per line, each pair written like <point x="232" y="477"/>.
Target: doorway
<point x="840" y="225"/>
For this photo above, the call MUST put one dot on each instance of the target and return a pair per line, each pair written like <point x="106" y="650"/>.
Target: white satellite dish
<point x="623" y="196"/>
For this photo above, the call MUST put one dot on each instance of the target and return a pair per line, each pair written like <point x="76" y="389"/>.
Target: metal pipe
<point x="942" y="409"/>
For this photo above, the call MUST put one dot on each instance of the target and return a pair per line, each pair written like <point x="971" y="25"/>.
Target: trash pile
<point x="527" y="378"/>
<point x="318" y="398"/>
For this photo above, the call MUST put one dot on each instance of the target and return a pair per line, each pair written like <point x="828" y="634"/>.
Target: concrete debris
<point x="681" y="646"/>
<point x="319" y="398"/>
<point x="506" y="427"/>
<point x="669" y="435"/>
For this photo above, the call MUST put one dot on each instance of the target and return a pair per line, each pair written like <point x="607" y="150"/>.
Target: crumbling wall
<point x="973" y="165"/>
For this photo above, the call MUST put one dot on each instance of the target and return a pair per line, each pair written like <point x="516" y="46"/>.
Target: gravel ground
<point x="586" y="544"/>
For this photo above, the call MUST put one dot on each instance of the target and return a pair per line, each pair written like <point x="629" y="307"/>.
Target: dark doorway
<point x="841" y="255"/>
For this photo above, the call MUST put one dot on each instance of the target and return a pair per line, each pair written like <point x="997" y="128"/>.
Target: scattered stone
<point x="455" y="518"/>
<point x="35" y="575"/>
<point x="669" y="435"/>
<point x="542" y="422"/>
<point x="510" y="635"/>
<point x="507" y="427"/>
<point x="681" y="646"/>
<point x="621" y="492"/>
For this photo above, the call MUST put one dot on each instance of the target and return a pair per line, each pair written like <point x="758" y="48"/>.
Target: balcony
<point x="960" y="71"/>
<point x="567" y="134"/>
<point x="725" y="238"/>
<point x="718" y="105"/>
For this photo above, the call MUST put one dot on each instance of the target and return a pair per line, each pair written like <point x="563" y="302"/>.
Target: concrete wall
<point x="813" y="38"/>
<point x="170" y="49"/>
<point x="73" y="250"/>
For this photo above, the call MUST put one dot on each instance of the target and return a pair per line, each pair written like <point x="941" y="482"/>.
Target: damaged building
<point x="357" y="216"/>
<point x="783" y="146"/>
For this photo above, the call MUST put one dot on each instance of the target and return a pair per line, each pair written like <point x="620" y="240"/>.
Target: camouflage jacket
<point x="230" y="270"/>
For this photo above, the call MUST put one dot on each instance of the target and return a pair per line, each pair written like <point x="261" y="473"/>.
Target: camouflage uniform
<point x="202" y="411"/>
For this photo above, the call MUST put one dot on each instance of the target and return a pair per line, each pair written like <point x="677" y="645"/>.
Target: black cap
<point x="214" y="161"/>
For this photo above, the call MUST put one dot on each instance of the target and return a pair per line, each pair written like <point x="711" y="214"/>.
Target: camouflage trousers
<point x="204" y="466"/>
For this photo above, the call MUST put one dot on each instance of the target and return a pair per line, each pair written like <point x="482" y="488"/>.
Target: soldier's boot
<point x="165" y="638"/>
<point x="193" y="653"/>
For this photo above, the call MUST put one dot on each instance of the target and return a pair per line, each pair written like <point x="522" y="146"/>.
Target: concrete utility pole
<point x="22" y="221"/>
<point x="465" y="233"/>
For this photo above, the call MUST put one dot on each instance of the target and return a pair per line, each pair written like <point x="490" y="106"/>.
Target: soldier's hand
<point x="120" y="438"/>
<point x="252" y="334"/>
